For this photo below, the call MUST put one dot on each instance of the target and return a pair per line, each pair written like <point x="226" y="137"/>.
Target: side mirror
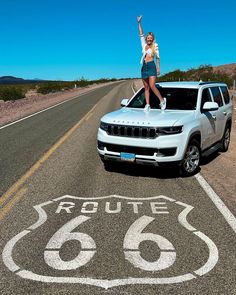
<point x="124" y="102"/>
<point x="210" y="106"/>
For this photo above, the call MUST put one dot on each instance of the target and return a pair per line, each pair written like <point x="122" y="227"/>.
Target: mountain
<point x="6" y="80"/>
<point x="216" y="72"/>
<point x="229" y="69"/>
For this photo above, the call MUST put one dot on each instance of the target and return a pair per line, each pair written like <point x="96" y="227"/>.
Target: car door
<point x="220" y="115"/>
<point x="207" y="121"/>
<point x="227" y="107"/>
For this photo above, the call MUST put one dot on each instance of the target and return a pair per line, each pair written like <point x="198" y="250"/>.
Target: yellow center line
<point x="88" y="117"/>
<point x="39" y="163"/>
<point x="13" y="201"/>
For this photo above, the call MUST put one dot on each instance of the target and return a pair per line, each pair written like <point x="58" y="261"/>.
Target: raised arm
<point x="142" y="38"/>
<point x="139" y="25"/>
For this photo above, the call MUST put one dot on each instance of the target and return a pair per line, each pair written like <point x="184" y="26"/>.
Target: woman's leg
<point x="152" y="81"/>
<point x="147" y="89"/>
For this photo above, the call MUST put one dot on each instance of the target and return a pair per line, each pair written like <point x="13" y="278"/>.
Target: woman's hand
<point x="139" y="18"/>
<point x="158" y="72"/>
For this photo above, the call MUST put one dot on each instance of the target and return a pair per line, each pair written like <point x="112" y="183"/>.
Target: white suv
<point x="196" y="122"/>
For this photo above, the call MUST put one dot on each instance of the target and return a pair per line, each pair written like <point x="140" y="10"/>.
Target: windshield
<point x="177" y="98"/>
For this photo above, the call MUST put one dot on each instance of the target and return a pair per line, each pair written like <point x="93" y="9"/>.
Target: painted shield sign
<point x="111" y="241"/>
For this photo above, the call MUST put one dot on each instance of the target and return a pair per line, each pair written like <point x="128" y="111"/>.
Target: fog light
<point x="101" y="146"/>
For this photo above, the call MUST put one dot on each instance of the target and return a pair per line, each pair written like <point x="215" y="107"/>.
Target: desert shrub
<point x="45" y="88"/>
<point x="83" y="82"/>
<point x="49" y="87"/>
<point x="11" y="92"/>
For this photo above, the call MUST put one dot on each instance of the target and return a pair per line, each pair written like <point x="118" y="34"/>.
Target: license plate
<point x="127" y="157"/>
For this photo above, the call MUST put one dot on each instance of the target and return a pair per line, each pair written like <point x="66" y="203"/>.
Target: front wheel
<point x="225" y="139"/>
<point x="191" y="161"/>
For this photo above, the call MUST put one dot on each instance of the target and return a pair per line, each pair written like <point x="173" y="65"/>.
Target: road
<point x="68" y="226"/>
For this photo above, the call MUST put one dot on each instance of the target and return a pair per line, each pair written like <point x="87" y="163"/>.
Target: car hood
<point x="156" y="118"/>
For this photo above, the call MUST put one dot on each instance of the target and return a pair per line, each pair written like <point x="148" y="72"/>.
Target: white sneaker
<point x="147" y="108"/>
<point x="163" y="104"/>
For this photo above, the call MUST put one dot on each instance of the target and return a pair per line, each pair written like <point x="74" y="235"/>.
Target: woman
<point x="149" y="70"/>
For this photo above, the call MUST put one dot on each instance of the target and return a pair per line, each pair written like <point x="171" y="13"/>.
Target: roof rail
<point x="210" y="82"/>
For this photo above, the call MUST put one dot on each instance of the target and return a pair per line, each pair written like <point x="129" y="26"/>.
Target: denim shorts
<point x="148" y="69"/>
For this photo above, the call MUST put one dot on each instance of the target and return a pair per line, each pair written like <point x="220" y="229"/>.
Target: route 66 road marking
<point x="140" y="218"/>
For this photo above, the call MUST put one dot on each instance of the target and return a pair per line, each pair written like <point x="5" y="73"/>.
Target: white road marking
<point x="134" y="236"/>
<point x="8" y="249"/>
<point x="94" y="209"/>
<point x="42" y="215"/>
<point x="106" y="284"/>
<point x="47" y="109"/>
<point x="213" y="251"/>
<point x="213" y="255"/>
<point x="182" y="218"/>
<point x="58" y="239"/>
<point x="63" y="235"/>
<point x="114" y="196"/>
<point x="67" y="208"/>
<point x="165" y="260"/>
<point x="132" y="87"/>
<point x="113" y="210"/>
<point x="135" y="206"/>
<point x="229" y="217"/>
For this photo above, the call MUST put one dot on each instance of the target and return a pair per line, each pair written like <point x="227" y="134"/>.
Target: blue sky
<point x="95" y="39"/>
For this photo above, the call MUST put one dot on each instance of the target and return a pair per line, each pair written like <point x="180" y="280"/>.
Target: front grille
<point x="132" y="131"/>
<point x="136" y="150"/>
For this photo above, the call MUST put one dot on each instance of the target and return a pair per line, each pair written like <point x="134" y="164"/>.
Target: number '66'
<point x="133" y="237"/>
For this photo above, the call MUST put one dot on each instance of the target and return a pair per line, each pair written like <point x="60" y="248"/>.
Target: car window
<point x="217" y="95"/>
<point x="177" y="98"/>
<point x="139" y="100"/>
<point x="206" y="96"/>
<point x="225" y="94"/>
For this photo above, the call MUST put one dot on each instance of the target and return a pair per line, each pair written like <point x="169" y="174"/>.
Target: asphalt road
<point x="71" y="227"/>
<point x="22" y="144"/>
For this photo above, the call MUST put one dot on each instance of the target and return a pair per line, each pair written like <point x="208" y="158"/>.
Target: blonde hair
<point x="153" y="46"/>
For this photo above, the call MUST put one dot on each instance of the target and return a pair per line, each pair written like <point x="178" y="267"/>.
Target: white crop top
<point x="149" y="50"/>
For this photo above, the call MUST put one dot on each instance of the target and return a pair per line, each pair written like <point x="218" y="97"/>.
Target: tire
<point x="225" y="139"/>
<point x="190" y="164"/>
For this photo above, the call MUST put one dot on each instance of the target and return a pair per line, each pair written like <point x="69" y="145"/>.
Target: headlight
<point x="170" y="130"/>
<point x="104" y="126"/>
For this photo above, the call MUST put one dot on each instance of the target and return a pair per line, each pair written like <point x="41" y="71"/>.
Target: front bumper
<point x="159" y="151"/>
